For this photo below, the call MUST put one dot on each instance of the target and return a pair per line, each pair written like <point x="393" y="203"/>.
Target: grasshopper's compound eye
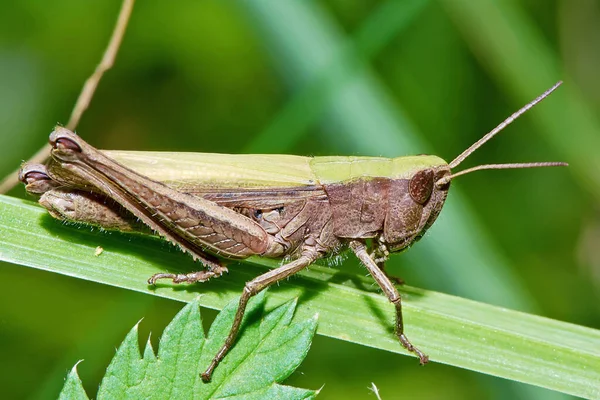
<point x="421" y="186"/>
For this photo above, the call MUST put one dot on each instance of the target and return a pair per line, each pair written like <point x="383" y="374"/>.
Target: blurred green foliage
<point x="318" y="78"/>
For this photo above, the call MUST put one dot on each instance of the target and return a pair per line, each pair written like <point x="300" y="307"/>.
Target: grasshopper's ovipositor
<point x="217" y="206"/>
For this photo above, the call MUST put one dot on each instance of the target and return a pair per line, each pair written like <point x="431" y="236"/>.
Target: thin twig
<point x="89" y="88"/>
<point x="108" y="59"/>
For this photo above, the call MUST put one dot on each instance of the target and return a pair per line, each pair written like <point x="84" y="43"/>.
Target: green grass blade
<point x="452" y="330"/>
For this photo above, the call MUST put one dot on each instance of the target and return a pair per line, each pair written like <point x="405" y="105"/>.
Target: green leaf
<point x="269" y="349"/>
<point x="452" y="330"/>
<point x="73" y="389"/>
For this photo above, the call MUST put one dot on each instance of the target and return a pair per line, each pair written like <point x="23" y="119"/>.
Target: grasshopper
<point x="218" y="207"/>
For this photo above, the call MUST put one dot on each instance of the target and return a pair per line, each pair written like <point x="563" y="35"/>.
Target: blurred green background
<point x="320" y="78"/>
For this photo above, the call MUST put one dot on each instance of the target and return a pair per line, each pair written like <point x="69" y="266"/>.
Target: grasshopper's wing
<point x="199" y="172"/>
<point x="274" y="191"/>
<point x="262" y="199"/>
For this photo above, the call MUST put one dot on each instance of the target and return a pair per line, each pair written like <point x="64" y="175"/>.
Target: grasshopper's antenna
<point x="448" y="178"/>
<point x="503" y="125"/>
<point x="445" y="180"/>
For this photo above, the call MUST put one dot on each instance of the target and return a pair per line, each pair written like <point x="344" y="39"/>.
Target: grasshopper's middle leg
<point x="252" y="288"/>
<point x="390" y="291"/>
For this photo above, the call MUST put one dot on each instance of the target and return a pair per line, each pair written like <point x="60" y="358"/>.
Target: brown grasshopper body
<point x="372" y="205"/>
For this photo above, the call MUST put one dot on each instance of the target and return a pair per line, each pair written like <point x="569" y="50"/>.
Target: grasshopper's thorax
<point x="396" y="205"/>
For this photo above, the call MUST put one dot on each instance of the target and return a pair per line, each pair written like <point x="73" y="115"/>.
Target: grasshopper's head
<point x="430" y="180"/>
<point x="414" y="199"/>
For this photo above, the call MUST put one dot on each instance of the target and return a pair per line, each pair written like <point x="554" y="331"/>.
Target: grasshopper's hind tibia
<point x="72" y="205"/>
<point x="196" y="225"/>
<point x="360" y="249"/>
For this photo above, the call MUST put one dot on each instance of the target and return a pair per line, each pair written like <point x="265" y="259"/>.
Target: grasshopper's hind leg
<point x="36" y="179"/>
<point x="390" y="291"/>
<point x="74" y="205"/>
<point x="196" y="225"/>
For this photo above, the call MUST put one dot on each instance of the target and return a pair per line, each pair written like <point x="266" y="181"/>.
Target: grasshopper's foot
<point x="206" y="376"/>
<point x="192" y="277"/>
<point x="423" y="358"/>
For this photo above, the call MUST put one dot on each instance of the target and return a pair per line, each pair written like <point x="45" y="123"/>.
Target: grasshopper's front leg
<point x="196" y="225"/>
<point x="360" y="249"/>
<point x="379" y="253"/>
